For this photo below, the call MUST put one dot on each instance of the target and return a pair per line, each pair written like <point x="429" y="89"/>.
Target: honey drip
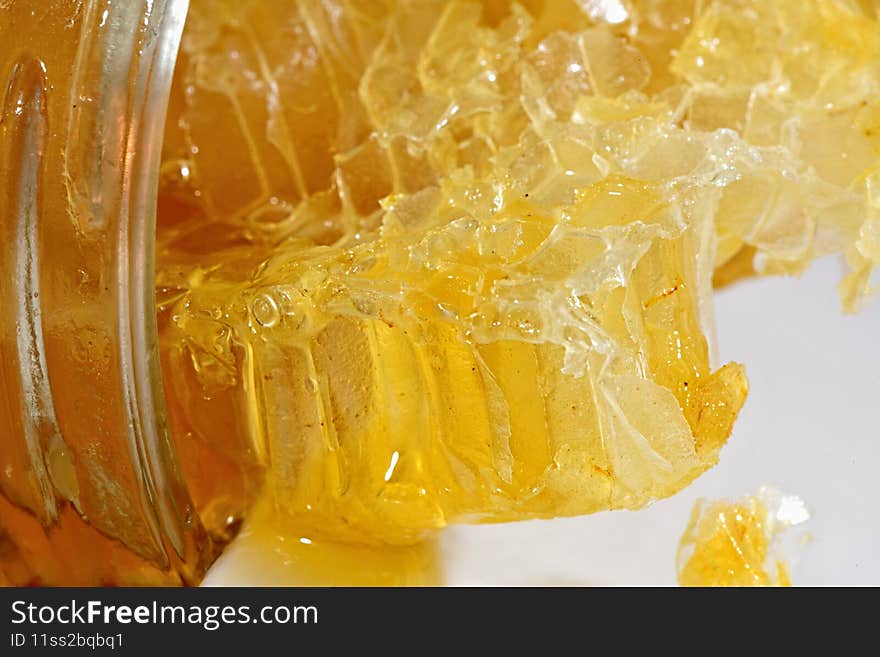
<point x="262" y="555"/>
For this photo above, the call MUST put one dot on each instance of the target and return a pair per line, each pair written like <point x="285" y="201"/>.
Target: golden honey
<point x="90" y="491"/>
<point x="424" y="262"/>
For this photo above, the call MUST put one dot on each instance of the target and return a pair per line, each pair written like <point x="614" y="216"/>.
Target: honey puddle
<point x="262" y="555"/>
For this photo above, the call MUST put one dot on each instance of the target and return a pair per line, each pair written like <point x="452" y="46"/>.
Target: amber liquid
<point x="76" y="507"/>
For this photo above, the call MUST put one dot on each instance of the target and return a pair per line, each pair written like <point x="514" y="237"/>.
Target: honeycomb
<point x="424" y="262"/>
<point x="739" y="543"/>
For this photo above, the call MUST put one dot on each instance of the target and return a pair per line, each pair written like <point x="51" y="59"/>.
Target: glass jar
<point x="87" y="464"/>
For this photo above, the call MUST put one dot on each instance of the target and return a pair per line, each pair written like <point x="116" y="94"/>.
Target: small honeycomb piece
<point x="738" y="543"/>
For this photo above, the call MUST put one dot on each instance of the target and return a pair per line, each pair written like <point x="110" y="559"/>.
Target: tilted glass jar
<point x="87" y="464"/>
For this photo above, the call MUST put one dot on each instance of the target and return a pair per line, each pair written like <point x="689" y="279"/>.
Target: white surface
<point x="810" y="427"/>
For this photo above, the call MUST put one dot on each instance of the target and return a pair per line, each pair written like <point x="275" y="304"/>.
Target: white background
<point x="810" y="427"/>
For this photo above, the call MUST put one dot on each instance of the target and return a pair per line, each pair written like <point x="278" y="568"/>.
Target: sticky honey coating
<point x="737" y="543"/>
<point x="426" y="262"/>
